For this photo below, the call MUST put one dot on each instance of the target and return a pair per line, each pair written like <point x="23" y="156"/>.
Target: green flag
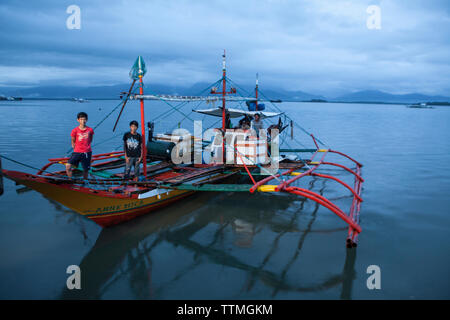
<point x="138" y="68"/>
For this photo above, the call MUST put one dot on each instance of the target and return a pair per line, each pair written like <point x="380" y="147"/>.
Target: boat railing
<point x="95" y="158"/>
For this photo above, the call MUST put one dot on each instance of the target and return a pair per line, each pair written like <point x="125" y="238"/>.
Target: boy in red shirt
<point x="81" y="138"/>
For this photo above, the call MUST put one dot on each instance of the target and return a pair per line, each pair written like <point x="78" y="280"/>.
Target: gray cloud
<point x="323" y="47"/>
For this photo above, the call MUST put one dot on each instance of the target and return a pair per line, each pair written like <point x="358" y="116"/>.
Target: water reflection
<point x="125" y="253"/>
<point x="244" y="231"/>
<point x="349" y="274"/>
<point x="368" y="137"/>
<point x="66" y="215"/>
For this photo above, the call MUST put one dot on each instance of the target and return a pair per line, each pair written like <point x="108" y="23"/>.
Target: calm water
<point x="237" y="245"/>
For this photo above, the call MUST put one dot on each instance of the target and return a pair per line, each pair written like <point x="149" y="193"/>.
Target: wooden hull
<point x="104" y="208"/>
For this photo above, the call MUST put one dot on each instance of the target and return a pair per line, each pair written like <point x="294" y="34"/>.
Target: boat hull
<point x="104" y="208"/>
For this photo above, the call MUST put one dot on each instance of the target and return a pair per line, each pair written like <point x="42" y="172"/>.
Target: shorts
<point x="83" y="157"/>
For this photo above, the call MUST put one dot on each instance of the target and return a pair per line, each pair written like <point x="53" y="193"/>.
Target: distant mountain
<point x="99" y="92"/>
<point x="113" y="92"/>
<point x="290" y="95"/>
<point x="379" y="96"/>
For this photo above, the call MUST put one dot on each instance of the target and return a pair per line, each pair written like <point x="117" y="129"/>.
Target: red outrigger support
<point x="352" y="218"/>
<point x="96" y="157"/>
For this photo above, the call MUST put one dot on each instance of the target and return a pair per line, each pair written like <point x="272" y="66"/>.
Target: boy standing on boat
<point x="132" y="142"/>
<point x="81" y="138"/>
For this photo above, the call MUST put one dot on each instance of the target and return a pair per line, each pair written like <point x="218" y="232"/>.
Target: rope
<point x="31" y="167"/>
<point x="260" y="167"/>
<point x="295" y="123"/>
<point x="175" y="109"/>
<point x="114" y="109"/>
<point x="85" y="181"/>
<point x="182" y="104"/>
<point x="278" y="109"/>
<point x="109" y="139"/>
<point x="106" y="117"/>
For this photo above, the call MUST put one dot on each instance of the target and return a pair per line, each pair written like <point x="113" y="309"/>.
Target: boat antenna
<point x="256" y="93"/>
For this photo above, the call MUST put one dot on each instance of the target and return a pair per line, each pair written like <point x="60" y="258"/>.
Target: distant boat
<point x="422" y="105"/>
<point x="80" y="100"/>
<point x="11" y="98"/>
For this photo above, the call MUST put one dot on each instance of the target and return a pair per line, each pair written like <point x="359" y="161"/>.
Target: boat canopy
<point x="236" y="113"/>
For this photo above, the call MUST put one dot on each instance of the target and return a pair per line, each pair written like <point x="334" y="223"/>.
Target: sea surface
<point x="237" y="245"/>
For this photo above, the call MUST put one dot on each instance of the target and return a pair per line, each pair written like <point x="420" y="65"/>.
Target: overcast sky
<point x="321" y="47"/>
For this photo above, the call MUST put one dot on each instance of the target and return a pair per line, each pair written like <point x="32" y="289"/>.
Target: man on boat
<point x="228" y="124"/>
<point x="81" y="139"/>
<point x="132" y="142"/>
<point x="244" y="123"/>
<point x="257" y="124"/>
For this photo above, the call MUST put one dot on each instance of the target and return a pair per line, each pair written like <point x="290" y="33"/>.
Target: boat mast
<point x="224" y="89"/>
<point x="224" y="92"/>
<point x="141" y="92"/>
<point x="256" y="93"/>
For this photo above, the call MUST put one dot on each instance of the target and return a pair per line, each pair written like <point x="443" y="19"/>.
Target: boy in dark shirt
<point x="132" y="142"/>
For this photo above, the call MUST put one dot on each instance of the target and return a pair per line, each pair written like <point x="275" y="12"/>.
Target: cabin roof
<point x="237" y="113"/>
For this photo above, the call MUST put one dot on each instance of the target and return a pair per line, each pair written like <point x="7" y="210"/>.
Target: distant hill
<point x="99" y="92"/>
<point x="379" y="96"/>
<point x="291" y="95"/>
<point x="113" y="92"/>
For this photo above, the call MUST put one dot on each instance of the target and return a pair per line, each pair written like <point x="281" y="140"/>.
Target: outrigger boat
<point x="233" y="160"/>
<point x="422" y="105"/>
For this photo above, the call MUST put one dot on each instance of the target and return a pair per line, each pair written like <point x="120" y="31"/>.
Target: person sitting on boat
<point x="244" y="123"/>
<point x="228" y="124"/>
<point x="132" y="146"/>
<point x="271" y="133"/>
<point x="257" y="124"/>
<point x="81" y="139"/>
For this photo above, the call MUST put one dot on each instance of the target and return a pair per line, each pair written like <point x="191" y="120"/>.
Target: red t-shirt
<point x="83" y="139"/>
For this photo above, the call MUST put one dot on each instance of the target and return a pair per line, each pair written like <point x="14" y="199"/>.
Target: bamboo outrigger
<point x="107" y="199"/>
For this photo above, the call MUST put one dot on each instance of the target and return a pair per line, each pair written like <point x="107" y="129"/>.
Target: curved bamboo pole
<point x="345" y="168"/>
<point x="326" y="176"/>
<point x="326" y="203"/>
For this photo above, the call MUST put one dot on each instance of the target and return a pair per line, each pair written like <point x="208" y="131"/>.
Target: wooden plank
<point x="290" y="165"/>
<point x="211" y="187"/>
<point x="216" y="178"/>
<point x="298" y="150"/>
<point x="103" y="174"/>
<point x="243" y="173"/>
<point x="193" y="175"/>
<point x="159" y="166"/>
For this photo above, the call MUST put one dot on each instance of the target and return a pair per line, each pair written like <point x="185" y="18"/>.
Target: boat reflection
<point x="129" y="253"/>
